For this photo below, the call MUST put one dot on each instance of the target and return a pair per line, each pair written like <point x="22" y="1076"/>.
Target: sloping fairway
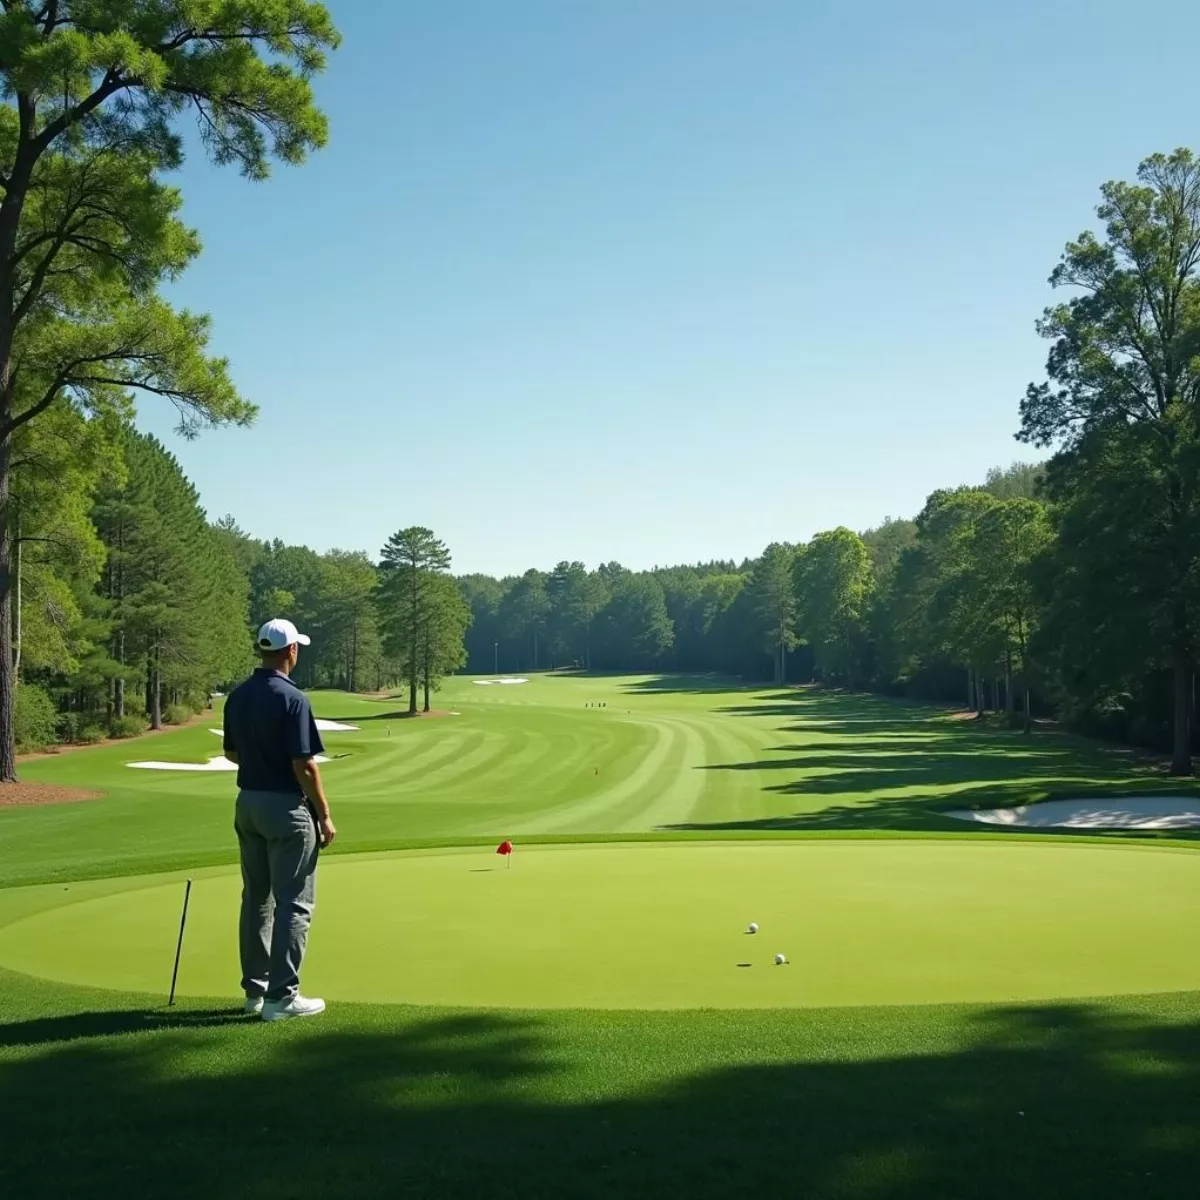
<point x="451" y="1065"/>
<point x="663" y="755"/>
<point x="665" y="926"/>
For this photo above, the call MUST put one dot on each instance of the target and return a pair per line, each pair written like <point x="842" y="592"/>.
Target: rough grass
<point x="111" y="1095"/>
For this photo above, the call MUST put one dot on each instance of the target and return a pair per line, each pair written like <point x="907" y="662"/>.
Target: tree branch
<point x="112" y="83"/>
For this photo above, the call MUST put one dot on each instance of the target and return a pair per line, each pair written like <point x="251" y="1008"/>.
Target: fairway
<point x="653" y="926"/>
<point x="663" y="756"/>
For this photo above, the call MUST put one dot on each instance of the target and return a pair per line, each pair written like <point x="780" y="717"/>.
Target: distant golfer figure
<point x="282" y="820"/>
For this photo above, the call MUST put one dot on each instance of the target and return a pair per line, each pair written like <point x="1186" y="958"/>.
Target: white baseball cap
<point x="280" y="634"/>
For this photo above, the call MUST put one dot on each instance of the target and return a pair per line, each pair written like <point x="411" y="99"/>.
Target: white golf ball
<point x="753" y="926"/>
<point x="780" y="959"/>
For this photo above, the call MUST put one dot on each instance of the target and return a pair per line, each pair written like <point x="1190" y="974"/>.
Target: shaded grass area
<point x="111" y="1095"/>
<point x="902" y="767"/>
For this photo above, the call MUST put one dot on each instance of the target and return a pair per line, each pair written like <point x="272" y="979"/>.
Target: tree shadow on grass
<point x="99" y="1024"/>
<point x="684" y="685"/>
<point x="910" y="766"/>
<point x="399" y="714"/>
<point x="1072" y="1101"/>
<point x="929" y="814"/>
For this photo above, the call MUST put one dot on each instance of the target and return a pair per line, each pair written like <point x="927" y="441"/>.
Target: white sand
<point x="323" y="725"/>
<point x="220" y="763"/>
<point x="490" y="682"/>
<point x="1130" y="812"/>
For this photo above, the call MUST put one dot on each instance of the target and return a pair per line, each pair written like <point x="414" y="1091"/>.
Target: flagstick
<point x="179" y="945"/>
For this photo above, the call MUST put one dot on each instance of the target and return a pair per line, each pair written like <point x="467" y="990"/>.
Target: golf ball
<point x="780" y="959"/>
<point x="753" y="926"/>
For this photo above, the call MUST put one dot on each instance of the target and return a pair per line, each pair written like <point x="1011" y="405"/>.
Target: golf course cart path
<point x="1132" y="812"/>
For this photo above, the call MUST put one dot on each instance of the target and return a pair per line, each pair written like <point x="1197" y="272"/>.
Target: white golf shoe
<point x="253" y="1006"/>
<point x="297" y="1006"/>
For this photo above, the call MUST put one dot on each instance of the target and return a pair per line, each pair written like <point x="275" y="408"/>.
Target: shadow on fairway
<point x="44" y="1031"/>
<point x="1039" y="1102"/>
<point x="911" y="765"/>
<point x="398" y="714"/>
<point x="685" y="685"/>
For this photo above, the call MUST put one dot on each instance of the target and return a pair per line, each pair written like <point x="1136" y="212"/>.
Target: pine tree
<point x="177" y="597"/>
<point x="410" y="563"/>
<point x="773" y="593"/>
<point x="443" y="625"/>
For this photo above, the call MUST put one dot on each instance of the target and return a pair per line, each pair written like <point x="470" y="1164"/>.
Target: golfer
<point x="282" y="819"/>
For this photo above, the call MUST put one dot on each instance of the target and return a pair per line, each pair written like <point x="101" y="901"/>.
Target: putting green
<point x="664" y="926"/>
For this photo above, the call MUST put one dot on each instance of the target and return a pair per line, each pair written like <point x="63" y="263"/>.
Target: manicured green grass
<point x="672" y="755"/>
<point x="110" y="1096"/>
<point x="665" y="926"/>
<point x="106" y="1093"/>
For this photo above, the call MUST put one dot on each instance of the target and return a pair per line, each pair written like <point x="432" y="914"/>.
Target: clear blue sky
<point x="662" y="281"/>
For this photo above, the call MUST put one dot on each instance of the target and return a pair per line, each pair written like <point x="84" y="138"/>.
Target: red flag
<point x="504" y="848"/>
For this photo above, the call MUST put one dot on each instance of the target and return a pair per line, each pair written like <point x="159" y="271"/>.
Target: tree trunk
<point x="8" y="754"/>
<point x="16" y="189"/>
<point x="120" y="697"/>
<point x="154" y="688"/>
<point x="970" y="688"/>
<point x="1181" y="755"/>
<point x="1010" y="705"/>
<point x="995" y="693"/>
<point x="412" y="693"/>
<point x="17" y="608"/>
<point x="1027" y="723"/>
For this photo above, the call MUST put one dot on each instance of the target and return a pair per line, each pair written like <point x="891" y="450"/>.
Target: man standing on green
<point x="282" y="820"/>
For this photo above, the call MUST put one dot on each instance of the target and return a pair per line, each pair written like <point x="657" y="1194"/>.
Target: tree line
<point x="1074" y="589"/>
<point x="130" y="607"/>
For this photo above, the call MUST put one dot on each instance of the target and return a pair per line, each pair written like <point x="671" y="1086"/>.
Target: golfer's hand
<point x="327" y="831"/>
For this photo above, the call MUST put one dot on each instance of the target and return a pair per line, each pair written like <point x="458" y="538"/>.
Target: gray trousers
<point x="279" y="848"/>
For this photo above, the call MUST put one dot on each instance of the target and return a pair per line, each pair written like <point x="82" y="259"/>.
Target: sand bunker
<point x="220" y="763"/>
<point x="490" y="682"/>
<point x="1129" y="812"/>
<point x="323" y="725"/>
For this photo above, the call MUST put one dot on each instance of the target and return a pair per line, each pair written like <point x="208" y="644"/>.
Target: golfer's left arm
<point x="305" y="745"/>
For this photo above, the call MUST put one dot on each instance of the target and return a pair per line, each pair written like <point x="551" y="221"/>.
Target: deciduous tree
<point x="1124" y="385"/>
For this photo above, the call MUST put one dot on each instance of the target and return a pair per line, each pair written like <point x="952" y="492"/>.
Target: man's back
<point x="268" y="725"/>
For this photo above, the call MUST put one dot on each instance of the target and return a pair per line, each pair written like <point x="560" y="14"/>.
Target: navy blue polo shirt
<point x="268" y="723"/>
